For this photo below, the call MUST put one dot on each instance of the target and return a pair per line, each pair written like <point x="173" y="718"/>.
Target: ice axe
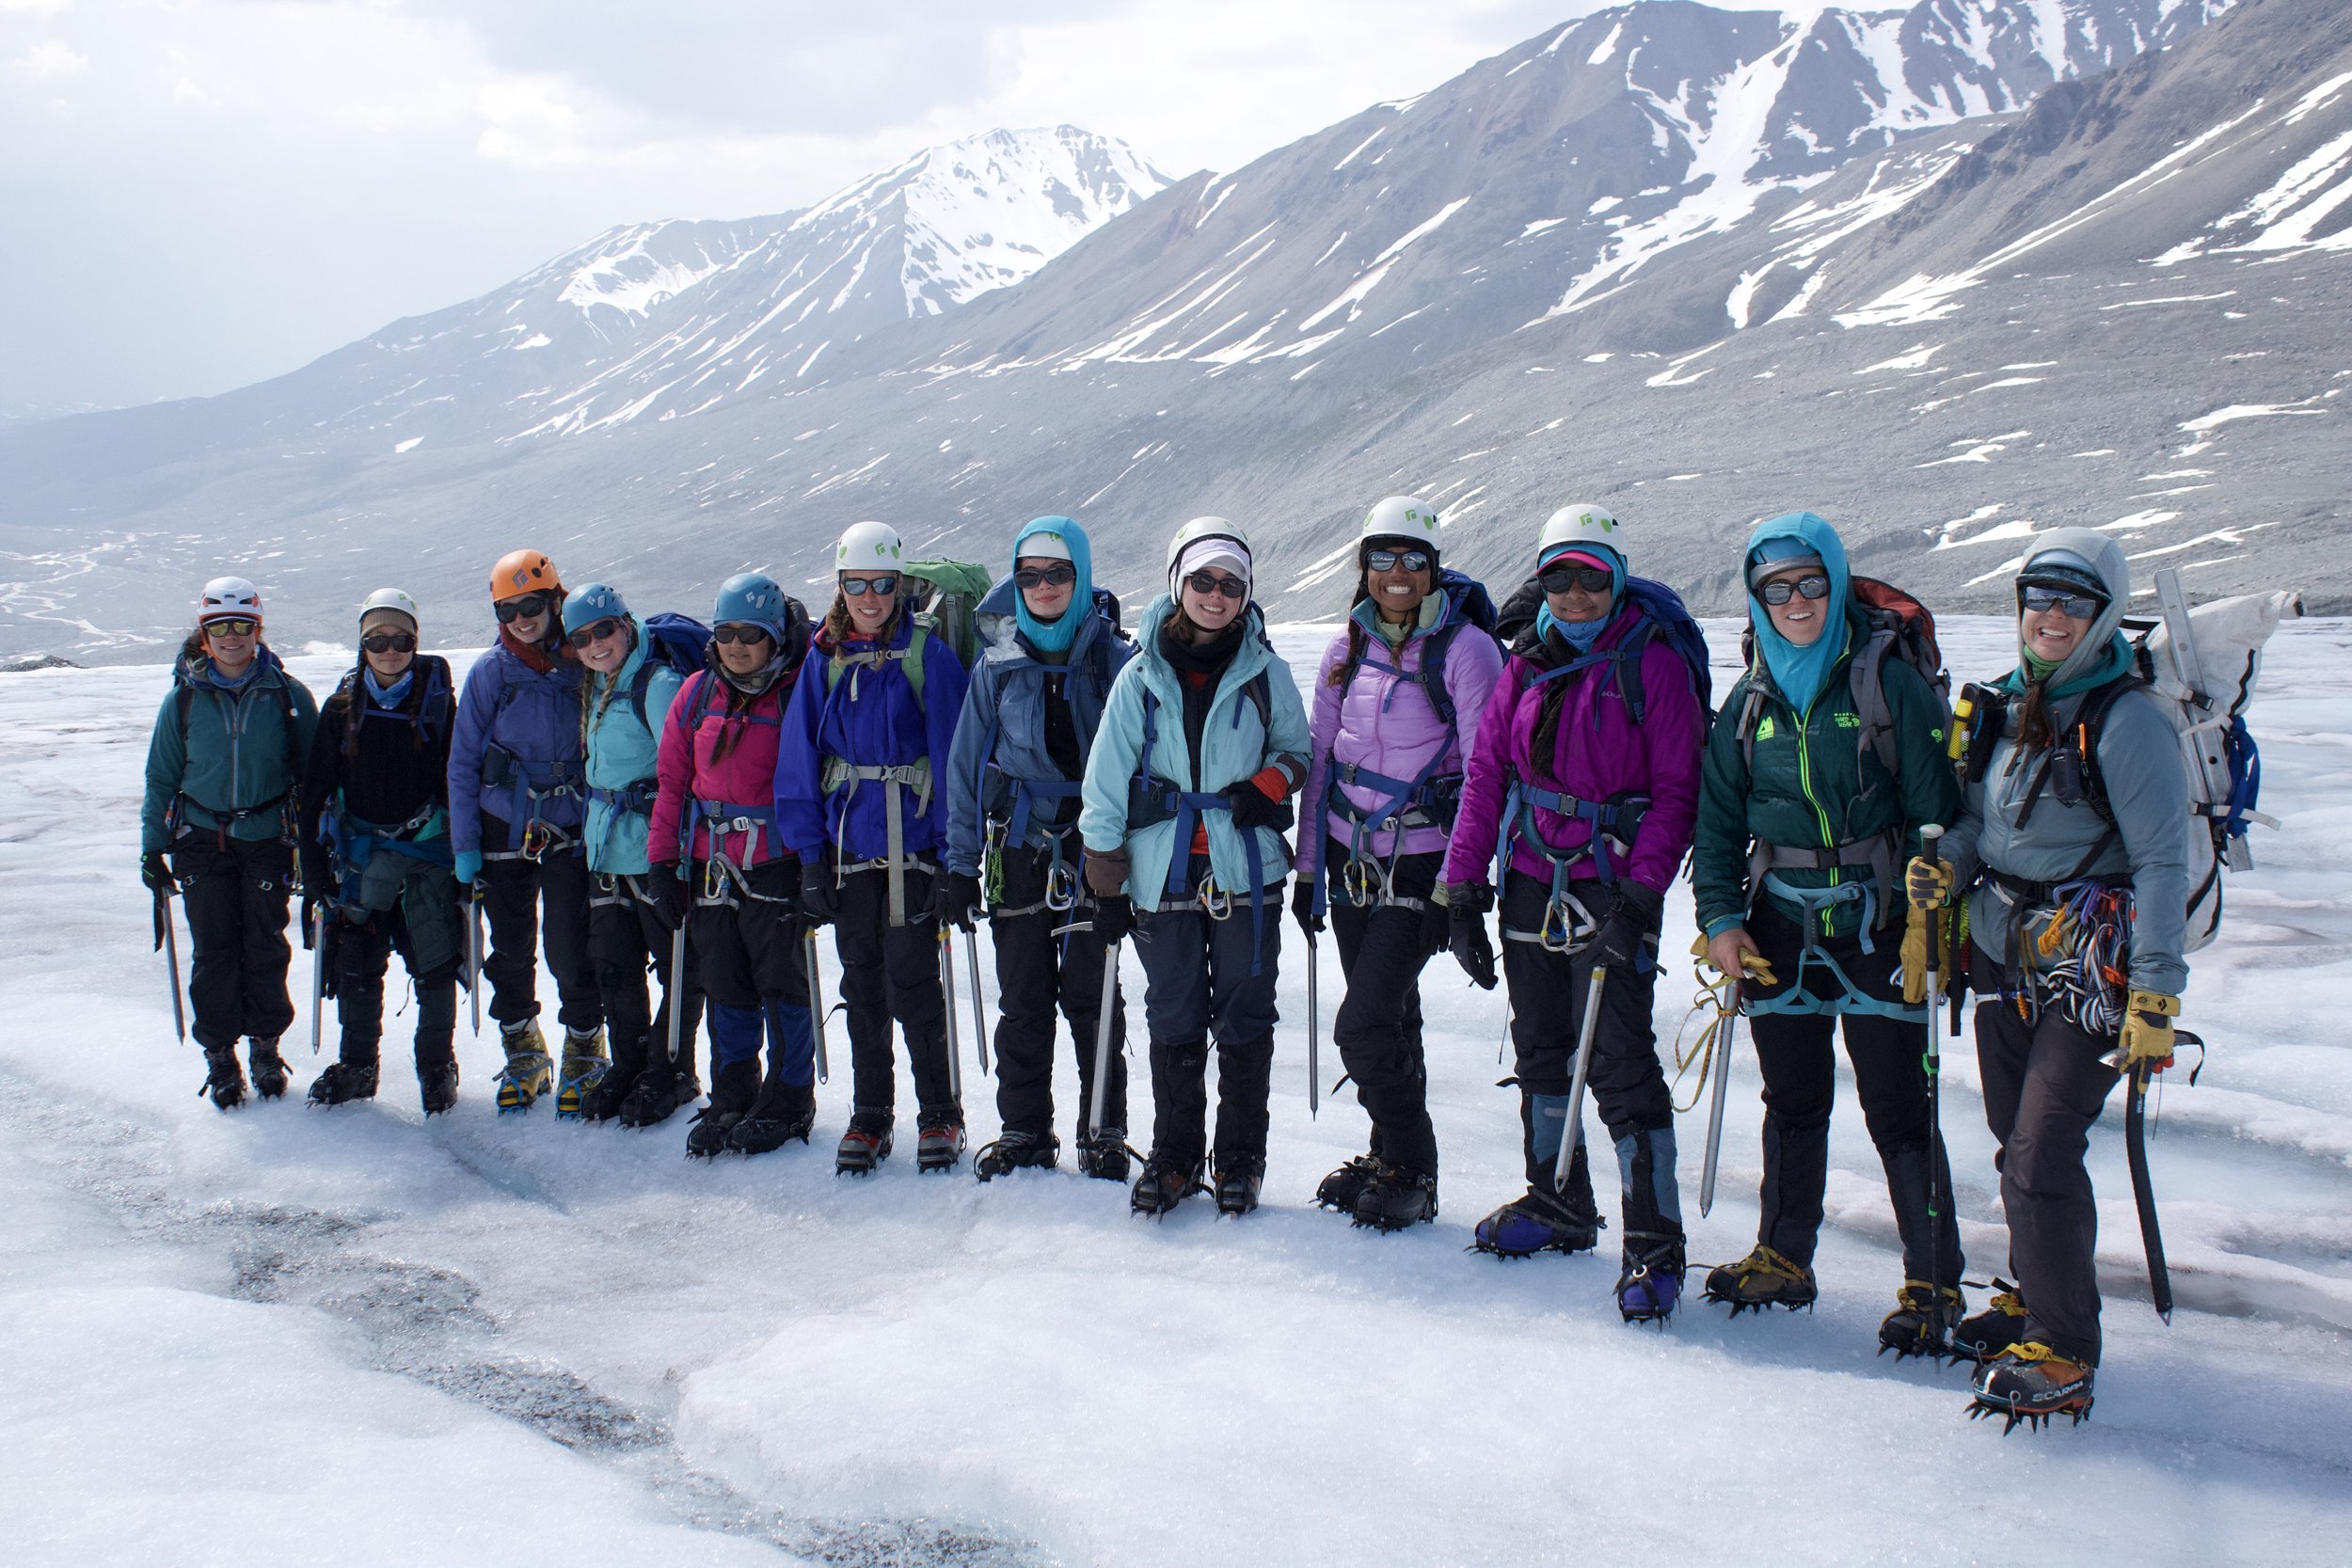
<point x="318" y="971"/>
<point x="1315" y="1031"/>
<point x="815" y="1002"/>
<point x="1103" y="1039"/>
<point x="473" y="953"/>
<point x="167" y="944"/>
<point x="1726" y="1031"/>
<point x="979" y="1009"/>
<point x="676" y="999"/>
<point x="1573" y="1133"/>
<point x="948" y="1002"/>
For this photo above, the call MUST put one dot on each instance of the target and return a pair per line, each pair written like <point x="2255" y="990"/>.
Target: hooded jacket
<point x="238" y="752"/>
<point x="693" y="770"/>
<point x="1599" y="753"/>
<point x="621" y="751"/>
<point x="530" y="722"/>
<point x="869" y="716"/>
<point x="1234" y="745"/>
<point x="1001" y="734"/>
<point x="2147" y="786"/>
<point x="1384" y="721"/>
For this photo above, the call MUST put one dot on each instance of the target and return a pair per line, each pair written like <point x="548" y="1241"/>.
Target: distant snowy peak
<point x="636" y="270"/>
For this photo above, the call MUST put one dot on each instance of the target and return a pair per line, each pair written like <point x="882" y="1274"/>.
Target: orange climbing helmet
<point x="520" y="572"/>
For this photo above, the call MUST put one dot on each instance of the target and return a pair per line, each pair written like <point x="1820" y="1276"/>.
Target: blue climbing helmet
<point x="593" y="602"/>
<point x="755" y="598"/>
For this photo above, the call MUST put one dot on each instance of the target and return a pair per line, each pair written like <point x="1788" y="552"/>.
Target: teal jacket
<point x="1234" y="745"/>
<point x="620" y="753"/>
<point x="241" y="749"/>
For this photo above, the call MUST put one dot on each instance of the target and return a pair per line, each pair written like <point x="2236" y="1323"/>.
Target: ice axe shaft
<point x="979" y="1009"/>
<point x="948" y="1001"/>
<point x="473" y="955"/>
<point x="318" y="975"/>
<point x="1103" y="1039"/>
<point x="2143" y="1191"/>
<point x="167" y="940"/>
<point x="676" y="999"/>
<point x="1315" y="1031"/>
<point x="1573" y="1133"/>
<point x="1726" y="1031"/>
<point x="815" y="1003"/>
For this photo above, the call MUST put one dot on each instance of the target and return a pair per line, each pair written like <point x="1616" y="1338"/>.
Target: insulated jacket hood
<point x="1800" y="674"/>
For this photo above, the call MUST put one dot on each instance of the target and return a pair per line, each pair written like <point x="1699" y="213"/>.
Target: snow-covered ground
<point x="351" y="1337"/>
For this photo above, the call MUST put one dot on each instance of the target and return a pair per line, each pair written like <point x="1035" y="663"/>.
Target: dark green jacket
<point x="1814" y="784"/>
<point x="234" y="754"/>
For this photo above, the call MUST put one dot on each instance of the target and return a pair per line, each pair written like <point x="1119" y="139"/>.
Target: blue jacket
<point x="1234" y="745"/>
<point x="233" y="755"/>
<point x="620" y="754"/>
<point x="1001" y="735"/>
<point x="522" y="727"/>
<point x="869" y="716"/>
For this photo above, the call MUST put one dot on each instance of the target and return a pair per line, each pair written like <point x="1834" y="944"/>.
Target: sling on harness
<point x="1014" y="827"/>
<point x="1152" y="801"/>
<point x="722" y="872"/>
<point x="895" y="779"/>
<point x="1427" y="799"/>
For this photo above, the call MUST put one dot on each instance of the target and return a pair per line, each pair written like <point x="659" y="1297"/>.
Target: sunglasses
<point x="738" y="632"/>
<point x="232" y="629"/>
<point x="1059" y="575"/>
<point x="2075" y="607"/>
<point x="1781" y="591"/>
<point x="511" y="611"/>
<point x="1388" y="561"/>
<point x="1206" y="582"/>
<point x="881" y="587"/>
<point x="388" y="643"/>
<point x="1593" y="579"/>
<point x="596" y="631"/>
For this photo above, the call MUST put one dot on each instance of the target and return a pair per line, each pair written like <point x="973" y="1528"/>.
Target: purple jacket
<point x="1387" y="723"/>
<point x="1599" y="753"/>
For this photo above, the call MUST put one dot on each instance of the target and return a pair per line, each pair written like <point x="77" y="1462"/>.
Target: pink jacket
<point x="690" y="769"/>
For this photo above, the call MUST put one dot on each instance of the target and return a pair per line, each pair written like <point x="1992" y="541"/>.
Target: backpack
<point x="948" y="606"/>
<point x="673" y="641"/>
<point x="1899" y="627"/>
<point x="1663" y="614"/>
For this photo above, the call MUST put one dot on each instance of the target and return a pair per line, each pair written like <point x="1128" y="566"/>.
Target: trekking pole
<point x="948" y="1001"/>
<point x="979" y="1009"/>
<point x="1931" y="849"/>
<point x="1315" y="1031"/>
<point x="473" y="953"/>
<point x="815" y="1002"/>
<point x="1726" y="1031"/>
<point x="2144" y="1191"/>
<point x="318" y="973"/>
<point x="1103" y="1039"/>
<point x="1573" y="1133"/>
<point x="167" y="944"/>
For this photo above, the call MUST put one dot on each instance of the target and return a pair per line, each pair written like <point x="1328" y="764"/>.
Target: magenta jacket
<point x="1599" y="753"/>
<point x="744" y="778"/>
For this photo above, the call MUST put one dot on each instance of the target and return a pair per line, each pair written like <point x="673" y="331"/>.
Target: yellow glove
<point x="1918" y="925"/>
<point x="2147" y="1030"/>
<point x="1751" y="963"/>
<point x="1928" y="884"/>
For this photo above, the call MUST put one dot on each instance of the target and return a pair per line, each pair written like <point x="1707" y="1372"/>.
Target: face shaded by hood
<point x="1799" y="673"/>
<point x="1055" y="635"/>
<point x="2104" y="555"/>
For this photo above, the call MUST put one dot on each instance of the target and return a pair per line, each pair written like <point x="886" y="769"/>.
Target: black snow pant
<point x="1377" y="1028"/>
<point x="2043" y="1087"/>
<point x="1800" y="1070"/>
<point x="892" y="973"/>
<point x="625" y="941"/>
<point x="746" y="938"/>
<point x="515" y="892"/>
<point x="1038" y="974"/>
<point x="1199" y="982"/>
<point x="235" y="890"/>
<point x="362" y="955"/>
<point x="1548" y="993"/>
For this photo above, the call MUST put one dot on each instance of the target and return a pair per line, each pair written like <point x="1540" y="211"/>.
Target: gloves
<point x="1467" y="904"/>
<point x="667" y="890"/>
<point x="1262" y="800"/>
<point x="310" y="922"/>
<point x="1114" y="916"/>
<point x="821" y="896"/>
<point x="1107" y="872"/>
<point x="1920" y="928"/>
<point x="157" y="873"/>
<point x="1735" y="947"/>
<point x="960" y="901"/>
<point x="1928" y="884"/>
<point x="2148" y="1030"/>
<point x="1303" y="906"/>
<point x="1621" y="939"/>
<point x="469" y="867"/>
<point x="1437" y="925"/>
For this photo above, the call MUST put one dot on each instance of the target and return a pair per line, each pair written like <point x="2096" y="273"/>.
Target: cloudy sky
<point x="198" y="194"/>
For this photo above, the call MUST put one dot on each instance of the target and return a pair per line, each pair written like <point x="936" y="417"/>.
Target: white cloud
<point x="49" y="58"/>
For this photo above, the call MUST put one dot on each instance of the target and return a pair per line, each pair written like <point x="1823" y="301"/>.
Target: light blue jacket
<point x="620" y="753"/>
<point x="1234" y="745"/>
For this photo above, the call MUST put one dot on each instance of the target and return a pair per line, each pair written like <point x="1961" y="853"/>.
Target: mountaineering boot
<point x="524" y="1078"/>
<point x="269" y="1068"/>
<point x="1165" y="1182"/>
<point x="438" y="1087"/>
<point x="660" y="1093"/>
<point x="1237" y="1186"/>
<point x="939" y="1138"/>
<point x="1763" y="1278"/>
<point x="1397" y="1200"/>
<point x="2030" y="1382"/>
<point x="1993" y="1330"/>
<point x="781" y="1112"/>
<point x="604" y="1101"/>
<point x="224" y="1079"/>
<point x="1921" y="1323"/>
<point x="1342" y="1187"/>
<point x="1539" y="1221"/>
<point x="1103" y="1155"/>
<point x="733" y="1088"/>
<point x="1013" y="1152"/>
<point x="345" y="1080"/>
<point x="585" y="1066"/>
<point x="1652" y="1278"/>
<point x="864" y="1145"/>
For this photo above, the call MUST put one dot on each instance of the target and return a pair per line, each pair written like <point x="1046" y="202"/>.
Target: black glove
<point x="821" y="896"/>
<point x="1436" y="927"/>
<point x="960" y="901"/>
<point x="1114" y="916"/>
<point x="310" y="903"/>
<point x="331" y="954"/>
<point x="1619" y="943"/>
<point x="157" y="873"/>
<point x="1303" y="906"/>
<point x="1252" y="807"/>
<point x="669" y="894"/>
<point x="1466" y="926"/>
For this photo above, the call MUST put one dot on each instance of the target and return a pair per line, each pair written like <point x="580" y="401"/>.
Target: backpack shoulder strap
<point x="1433" y="671"/>
<point x="637" y="685"/>
<point x="1867" y="677"/>
<point x="2092" y="718"/>
<point x="1628" y="660"/>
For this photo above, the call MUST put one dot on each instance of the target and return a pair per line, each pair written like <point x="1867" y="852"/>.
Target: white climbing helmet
<point x="391" y="599"/>
<point x="1580" y="524"/>
<point x="1223" y="535"/>
<point x="868" y="547"/>
<point x="228" y="599"/>
<point x="1401" y="517"/>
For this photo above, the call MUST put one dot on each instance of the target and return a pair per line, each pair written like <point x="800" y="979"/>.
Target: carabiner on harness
<point x="1061" y="888"/>
<point x="1566" y="927"/>
<point x="538" y="838"/>
<point x="1367" y="884"/>
<point x="1214" y="901"/>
